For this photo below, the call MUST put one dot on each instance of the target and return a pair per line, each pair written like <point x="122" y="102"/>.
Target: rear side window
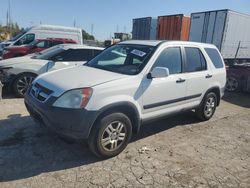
<point x="53" y="43"/>
<point x="195" y="60"/>
<point x="75" y="55"/>
<point x="171" y="59"/>
<point x="215" y="57"/>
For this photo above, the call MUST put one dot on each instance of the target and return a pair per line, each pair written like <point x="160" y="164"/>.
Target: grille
<point x="40" y="92"/>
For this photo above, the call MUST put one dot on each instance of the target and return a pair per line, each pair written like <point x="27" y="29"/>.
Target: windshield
<point x="48" y="53"/>
<point x="19" y="35"/>
<point x="123" y="58"/>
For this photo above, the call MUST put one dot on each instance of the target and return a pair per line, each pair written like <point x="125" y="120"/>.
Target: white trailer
<point x="227" y="29"/>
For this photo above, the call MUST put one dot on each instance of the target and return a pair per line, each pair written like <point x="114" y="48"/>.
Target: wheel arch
<point x="127" y="108"/>
<point x="217" y="92"/>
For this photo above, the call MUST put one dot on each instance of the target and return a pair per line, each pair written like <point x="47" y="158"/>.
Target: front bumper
<point x="70" y="123"/>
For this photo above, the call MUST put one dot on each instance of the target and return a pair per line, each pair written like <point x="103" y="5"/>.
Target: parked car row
<point x="34" y="47"/>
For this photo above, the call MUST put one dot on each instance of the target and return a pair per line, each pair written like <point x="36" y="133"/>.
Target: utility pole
<point x="117" y="28"/>
<point x="92" y="29"/>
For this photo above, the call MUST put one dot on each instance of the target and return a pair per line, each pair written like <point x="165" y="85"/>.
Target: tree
<point x="87" y="36"/>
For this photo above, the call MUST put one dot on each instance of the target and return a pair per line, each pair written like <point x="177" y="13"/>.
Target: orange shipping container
<point x="173" y="27"/>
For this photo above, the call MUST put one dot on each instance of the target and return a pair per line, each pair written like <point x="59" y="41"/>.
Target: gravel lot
<point x="175" y="152"/>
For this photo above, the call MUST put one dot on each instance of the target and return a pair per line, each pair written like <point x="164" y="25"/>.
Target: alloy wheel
<point x="210" y="106"/>
<point x="113" y="136"/>
<point x="23" y="84"/>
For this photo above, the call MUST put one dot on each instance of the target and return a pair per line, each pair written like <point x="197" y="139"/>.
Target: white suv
<point x="132" y="82"/>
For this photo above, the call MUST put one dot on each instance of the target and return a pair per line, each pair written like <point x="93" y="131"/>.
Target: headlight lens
<point x="76" y="99"/>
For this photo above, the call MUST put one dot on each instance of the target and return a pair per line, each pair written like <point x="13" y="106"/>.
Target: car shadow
<point x="27" y="150"/>
<point x="238" y="98"/>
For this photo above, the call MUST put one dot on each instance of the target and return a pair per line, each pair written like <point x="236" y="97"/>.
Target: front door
<point x="165" y="93"/>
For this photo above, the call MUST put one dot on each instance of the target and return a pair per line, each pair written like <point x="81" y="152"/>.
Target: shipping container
<point x="173" y="27"/>
<point x="144" y="28"/>
<point x="227" y="29"/>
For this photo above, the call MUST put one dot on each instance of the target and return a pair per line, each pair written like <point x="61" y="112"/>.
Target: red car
<point x="238" y="77"/>
<point x="34" y="47"/>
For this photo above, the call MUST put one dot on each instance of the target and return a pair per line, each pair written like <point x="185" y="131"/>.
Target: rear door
<point x="198" y="75"/>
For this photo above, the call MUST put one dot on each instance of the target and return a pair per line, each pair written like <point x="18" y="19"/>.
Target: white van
<point x="43" y="32"/>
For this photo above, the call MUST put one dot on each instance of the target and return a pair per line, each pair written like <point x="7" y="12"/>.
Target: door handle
<point x="180" y="80"/>
<point x="209" y="76"/>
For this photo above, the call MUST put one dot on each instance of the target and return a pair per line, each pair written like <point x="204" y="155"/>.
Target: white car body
<point x="15" y="67"/>
<point x="39" y="66"/>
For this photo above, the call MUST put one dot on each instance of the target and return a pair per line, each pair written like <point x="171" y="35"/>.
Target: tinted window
<point x="96" y="52"/>
<point x="53" y="43"/>
<point x="195" y="60"/>
<point x="49" y="53"/>
<point x="171" y="59"/>
<point x="75" y="55"/>
<point x="215" y="57"/>
<point x="26" y="39"/>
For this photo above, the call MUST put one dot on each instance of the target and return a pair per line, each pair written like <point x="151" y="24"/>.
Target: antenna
<point x="74" y="22"/>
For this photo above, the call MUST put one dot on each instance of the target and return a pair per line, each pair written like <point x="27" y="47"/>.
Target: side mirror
<point x="159" y="72"/>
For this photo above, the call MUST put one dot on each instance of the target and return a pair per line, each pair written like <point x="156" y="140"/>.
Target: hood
<point x="63" y="80"/>
<point x="19" y="60"/>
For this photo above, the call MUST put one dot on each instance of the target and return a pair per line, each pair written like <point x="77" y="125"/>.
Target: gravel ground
<point x="178" y="151"/>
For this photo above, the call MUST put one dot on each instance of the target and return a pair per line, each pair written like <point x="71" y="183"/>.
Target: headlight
<point x="76" y="99"/>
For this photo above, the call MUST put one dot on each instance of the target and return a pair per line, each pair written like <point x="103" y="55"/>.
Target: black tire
<point x="203" y="112"/>
<point x="22" y="83"/>
<point x="232" y="84"/>
<point x="100" y="131"/>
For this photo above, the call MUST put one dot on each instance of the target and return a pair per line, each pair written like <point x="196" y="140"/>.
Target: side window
<point x="41" y="44"/>
<point x="26" y="39"/>
<point x="215" y="57"/>
<point x="171" y="59"/>
<point x="96" y="52"/>
<point x="53" y="43"/>
<point x="195" y="60"/>
<point x="74" y="55"/>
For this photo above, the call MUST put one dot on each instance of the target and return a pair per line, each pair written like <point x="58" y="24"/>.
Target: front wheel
<point x="22" y="83"/>
<point x="110" y="135"/>
<point x="208" y="106"/>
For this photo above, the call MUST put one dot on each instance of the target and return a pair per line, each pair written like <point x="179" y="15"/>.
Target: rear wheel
<point x="232" y="84"/>
<point x="110" y="135"/>
<point x="208" y="106"/>
<point x="22" y="83"/>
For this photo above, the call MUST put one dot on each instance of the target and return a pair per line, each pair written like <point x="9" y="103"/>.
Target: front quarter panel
<point x="122" y="90"/>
